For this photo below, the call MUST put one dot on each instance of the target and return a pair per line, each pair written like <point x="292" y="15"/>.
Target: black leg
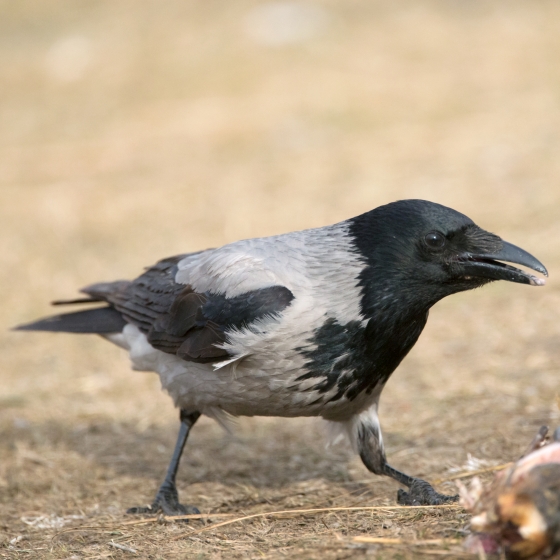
<point x="167" y="497"/>
<point x="370" y="445"/>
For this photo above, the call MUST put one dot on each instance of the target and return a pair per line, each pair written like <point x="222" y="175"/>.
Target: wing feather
<point x="179" y="320"/>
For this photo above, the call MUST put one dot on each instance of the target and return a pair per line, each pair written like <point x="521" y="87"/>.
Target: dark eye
<point x="435" y="240"/>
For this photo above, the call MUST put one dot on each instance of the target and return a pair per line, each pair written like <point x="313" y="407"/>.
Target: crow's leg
<point x="370" y="446"/>
<point x="167" y="497"/>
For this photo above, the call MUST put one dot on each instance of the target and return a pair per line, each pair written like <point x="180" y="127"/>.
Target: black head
<point x="418" y="252"/>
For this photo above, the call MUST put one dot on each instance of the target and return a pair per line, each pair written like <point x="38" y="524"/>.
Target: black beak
<point x="488" y="265"/>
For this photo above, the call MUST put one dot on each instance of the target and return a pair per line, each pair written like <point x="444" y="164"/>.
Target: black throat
<point x="348" y="359"/>
<point x="352" y="358"/>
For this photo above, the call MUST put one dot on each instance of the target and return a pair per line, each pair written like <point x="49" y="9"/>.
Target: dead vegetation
<point x="134" y="130"/>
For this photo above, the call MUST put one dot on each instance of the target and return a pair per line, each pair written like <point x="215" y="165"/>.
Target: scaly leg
<point x="370" y="446"/>
<point x="167" y="497"/>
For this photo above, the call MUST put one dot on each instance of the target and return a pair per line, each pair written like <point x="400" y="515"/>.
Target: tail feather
<point x="76" y="300"/>
<point x="101" y="320"/>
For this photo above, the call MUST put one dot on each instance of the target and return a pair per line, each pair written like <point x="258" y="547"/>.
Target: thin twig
<point x="480" y="550"/>
<point x="203" y="516"/>
<point x="122" y="547"/>
<point x="474" y="473"/>
<point x="385" y="540"/>
<point x="447" y="552"/>
<point x="296" y="512"/>
<point x="206" y="516"/>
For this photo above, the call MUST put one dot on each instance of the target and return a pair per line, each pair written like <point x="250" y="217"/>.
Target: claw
<point x="421" y="493"/>
<point x="166" y="502"/>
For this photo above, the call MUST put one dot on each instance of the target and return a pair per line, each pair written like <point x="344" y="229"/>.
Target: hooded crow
<point x="309" y="323"/>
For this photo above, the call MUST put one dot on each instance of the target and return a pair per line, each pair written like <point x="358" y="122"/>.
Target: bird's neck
<point x="396" y="315"/>
<point x="391" y="334"/>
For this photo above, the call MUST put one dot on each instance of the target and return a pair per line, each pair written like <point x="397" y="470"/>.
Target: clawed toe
<point x="166" y="502"/>
<point x="155" y="509"/>
<point x="141" y="510"/>
<point x="165" y="508"/>
<point x="421" y="493"/>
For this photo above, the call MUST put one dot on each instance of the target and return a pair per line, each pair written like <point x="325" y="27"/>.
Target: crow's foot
<point x="421" y="493"/>
<point x="166" y="502"/>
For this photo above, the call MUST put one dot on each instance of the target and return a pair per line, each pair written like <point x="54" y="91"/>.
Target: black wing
<point x="180" y="321"/>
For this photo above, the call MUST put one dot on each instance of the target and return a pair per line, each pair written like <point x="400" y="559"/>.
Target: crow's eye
<point x="435" y="240"/>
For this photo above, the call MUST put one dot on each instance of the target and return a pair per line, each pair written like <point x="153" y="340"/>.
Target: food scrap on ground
<point x="518" y="513"/>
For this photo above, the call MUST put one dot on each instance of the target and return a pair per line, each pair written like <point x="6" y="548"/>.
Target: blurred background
<point x="135" y="130"/>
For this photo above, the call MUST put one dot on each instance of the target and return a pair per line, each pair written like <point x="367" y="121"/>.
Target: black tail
<point x="102" y="320"/>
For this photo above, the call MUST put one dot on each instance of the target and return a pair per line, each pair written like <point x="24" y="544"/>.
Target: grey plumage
<point x="310" y="323"/>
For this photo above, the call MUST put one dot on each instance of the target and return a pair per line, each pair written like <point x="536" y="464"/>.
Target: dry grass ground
<point x="133" y="130"/>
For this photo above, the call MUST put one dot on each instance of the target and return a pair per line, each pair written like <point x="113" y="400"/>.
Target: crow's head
<point x="418" y="252"/>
